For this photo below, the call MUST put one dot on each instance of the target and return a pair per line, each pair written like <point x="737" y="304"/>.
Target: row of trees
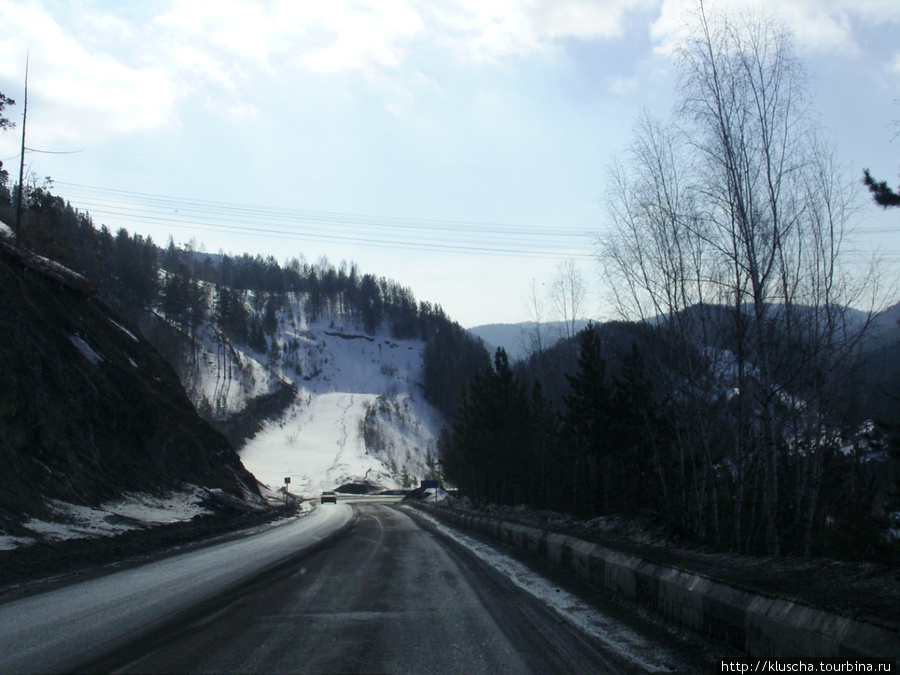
<point x="339" y="292"/>
<point x="240" y="296"/>
<point x="738" y="202"/>
<point x="616" y="439"/>
<point x="727" y="242"/>
<point x="124" y="267"/>
<point x="509" y="444"/>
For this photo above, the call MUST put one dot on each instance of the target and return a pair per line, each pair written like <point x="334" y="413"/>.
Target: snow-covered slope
<point x="226" y="375"/>
<point x="358" y="416"/>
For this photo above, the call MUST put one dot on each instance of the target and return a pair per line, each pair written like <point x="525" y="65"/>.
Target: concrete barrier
<point x="755" y="624"/>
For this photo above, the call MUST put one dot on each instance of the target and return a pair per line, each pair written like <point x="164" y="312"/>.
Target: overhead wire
<point x="135" y="209"/>
<point x="450" y="236"/>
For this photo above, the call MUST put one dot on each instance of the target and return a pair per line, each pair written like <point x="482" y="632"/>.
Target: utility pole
<point x="22" y="160"/>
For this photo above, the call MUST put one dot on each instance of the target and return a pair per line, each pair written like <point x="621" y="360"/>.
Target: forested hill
<point x="186" y="288"/>
<point x="662" y="420"/>
<point x="90" y="410"/>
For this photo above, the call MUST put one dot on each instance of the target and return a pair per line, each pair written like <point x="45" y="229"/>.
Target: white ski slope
<point x="318" y="445"/>
<point x="341" y="374"/>
<point x="319" y="442"/>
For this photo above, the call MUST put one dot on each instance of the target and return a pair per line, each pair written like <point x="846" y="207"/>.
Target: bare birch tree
<point x="737" y="204"/>
<point x="658" y="262"/>
<point x="567" y="293"/>
<point x="533" y="340"/>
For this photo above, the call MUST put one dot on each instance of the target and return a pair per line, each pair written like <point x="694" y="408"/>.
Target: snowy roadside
<point x="609" y="631"/>
<point x="79" y="549"/>
<point x="856" y="590"/>
<point x="135" y="511"/>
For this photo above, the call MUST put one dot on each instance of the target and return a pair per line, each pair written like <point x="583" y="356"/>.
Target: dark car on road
<point x="329" y="497"/>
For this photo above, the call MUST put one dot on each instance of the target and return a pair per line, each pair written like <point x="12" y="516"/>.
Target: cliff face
<point x="88" y="408"/>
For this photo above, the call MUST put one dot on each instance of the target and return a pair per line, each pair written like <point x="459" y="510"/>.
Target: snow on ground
<point x="226" y="375"/>
<point x="359" y="414"/>
<point x="124" y="330"/>
<point x="86" y="350"/>
<point x="135" y="511"/>
<point x="347" y="383"/>
<point x="343" y="376"/>
<point x="317" y="445"/>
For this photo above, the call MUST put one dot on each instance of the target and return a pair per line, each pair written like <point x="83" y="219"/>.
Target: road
<point x="57" y="630"/>
<point x="389" y="593"/>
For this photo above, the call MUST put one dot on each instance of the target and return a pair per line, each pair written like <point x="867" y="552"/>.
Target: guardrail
<point x="755" y="624"/>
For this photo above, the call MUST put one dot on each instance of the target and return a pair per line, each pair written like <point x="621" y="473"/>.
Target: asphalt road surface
<point x="388" y="594"/>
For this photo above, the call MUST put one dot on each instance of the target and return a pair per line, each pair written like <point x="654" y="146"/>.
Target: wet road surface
<point x="390" y="596"/>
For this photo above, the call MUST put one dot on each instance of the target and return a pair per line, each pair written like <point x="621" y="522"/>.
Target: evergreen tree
<point x="174" y="297"/>
<point x="371" y="304"/>
<point x="270" y="321"/>
<point x="883" y="195"/>
<point x="549" y="490"/>
<point x="490" y="452"/>
<point x="452" y="358"/>
<point x="231" y="314"/>
<point x="635" y="433"/>
<point x="5" y="123"/>
<point x="587" y="425"/>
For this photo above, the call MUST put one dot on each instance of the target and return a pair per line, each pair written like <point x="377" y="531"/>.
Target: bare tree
<point x="533" y="339"/>
<point x="567" y="293"/>
<point x="659" y="263"/>
<point x="737" y="205"/>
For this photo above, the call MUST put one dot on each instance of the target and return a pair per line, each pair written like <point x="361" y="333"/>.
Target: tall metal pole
<point x="22" y="160"/>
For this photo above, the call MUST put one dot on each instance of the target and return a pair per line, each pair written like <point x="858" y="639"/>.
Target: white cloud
<point x="201" y="65"/>
<point x="895" y="64"/>
<point x="489" y="30"/>
<point x="362" y="37"/>
<point x="120" y="72"/>
<point x="817" y="25"/>
<point x="624" y="86"/>
<point x="368" y="35"/>
<point x="123" y="71"/>
<point x="237" y="27"/>
<point x="235" y="110"/>
<point x="585" y="19"/>
<point x="83" y="94"/>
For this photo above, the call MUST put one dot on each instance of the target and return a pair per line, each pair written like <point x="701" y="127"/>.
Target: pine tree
<point x="883" y="195"/>
<point x="270" y="321"/>
<point x="636" y="433"/>
<point x="5" y="123"/>
<point x="587" y="425"/>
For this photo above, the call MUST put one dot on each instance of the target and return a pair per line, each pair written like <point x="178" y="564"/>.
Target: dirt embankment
<point x="90" y="409"/>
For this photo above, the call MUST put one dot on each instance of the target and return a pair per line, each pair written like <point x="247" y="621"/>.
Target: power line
<point x="55" y="152"/>
<point x="206" y="205"/>
<point x="450" y="236"/>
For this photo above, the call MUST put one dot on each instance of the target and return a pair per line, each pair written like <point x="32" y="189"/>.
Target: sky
<point x="458" y="147"/>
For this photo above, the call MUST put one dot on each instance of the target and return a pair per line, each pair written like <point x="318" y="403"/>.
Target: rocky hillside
<point x="89" y="410"/>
